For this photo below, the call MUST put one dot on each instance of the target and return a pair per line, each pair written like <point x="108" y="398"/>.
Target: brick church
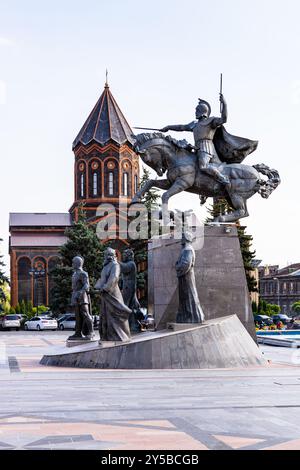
<point x="106" y="169"/>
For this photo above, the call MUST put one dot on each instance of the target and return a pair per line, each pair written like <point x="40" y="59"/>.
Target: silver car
<point x="67" y="323"/>
<point x="10" y="322"/>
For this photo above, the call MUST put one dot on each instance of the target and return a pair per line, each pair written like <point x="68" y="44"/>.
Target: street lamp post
<point x="36" y="274"/>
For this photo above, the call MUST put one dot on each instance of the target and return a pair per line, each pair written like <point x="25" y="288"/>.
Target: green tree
<point x="264" y="308"/>
<point x="152" y="197"/>
<point x="296" y="308"/>
<point x="23" y="307"/>
<point x="151" y="200"/>
<point x="35" y="310"/>
<point x="83" y="241"/>
<point x="5" y="304"/>
<point x="218" y="207"/>
<point x="248" y="256"/>
<point x="221" y="206"/>
<point x="272" y="309"/>
<point x="29" y="306"/>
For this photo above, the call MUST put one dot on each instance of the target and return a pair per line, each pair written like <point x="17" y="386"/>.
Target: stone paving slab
<point x="46" y="407"/>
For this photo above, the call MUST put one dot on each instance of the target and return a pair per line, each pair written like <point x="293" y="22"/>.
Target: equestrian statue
<point x="212" y="167"/>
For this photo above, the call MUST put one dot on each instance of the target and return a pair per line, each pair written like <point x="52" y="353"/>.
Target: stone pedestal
<point x="70" y="343"/>
<point x="219" y="273"/>
<point x="182" y="326"/>
<point x="219" y="343"/>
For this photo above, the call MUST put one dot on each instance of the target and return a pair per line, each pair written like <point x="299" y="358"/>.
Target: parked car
<point x="10" y="322"/>
<point x="263" y="320"/>
<point x="281" y="317"/>
<point x="96" y="321"/>
<point x="41" y="323"/>
<point x="64" y="315"/>
<point x="68" y="322"/>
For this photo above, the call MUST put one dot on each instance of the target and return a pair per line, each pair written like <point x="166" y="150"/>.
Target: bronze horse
<point x="177" y="158"/>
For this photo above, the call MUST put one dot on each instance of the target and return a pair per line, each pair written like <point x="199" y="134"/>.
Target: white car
<point x="10" y="321"/>
<point x="41" y="323"/>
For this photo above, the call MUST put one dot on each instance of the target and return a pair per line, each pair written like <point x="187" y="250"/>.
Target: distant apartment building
<point x="280" y="286"/>
<point x="254" y="296"/>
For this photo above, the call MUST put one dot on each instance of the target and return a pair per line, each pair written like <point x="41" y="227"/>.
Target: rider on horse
<point x="204" y="130"/>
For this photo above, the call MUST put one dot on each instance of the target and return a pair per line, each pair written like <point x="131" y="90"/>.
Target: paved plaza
<point x="60" y="408"/>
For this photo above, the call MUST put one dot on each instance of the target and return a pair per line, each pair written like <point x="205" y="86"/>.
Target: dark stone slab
<point x="219" y="273"/>
<point x="218" y="343"/>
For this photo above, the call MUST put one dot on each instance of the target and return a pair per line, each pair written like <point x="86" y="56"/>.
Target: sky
<point x="161" y="57"/>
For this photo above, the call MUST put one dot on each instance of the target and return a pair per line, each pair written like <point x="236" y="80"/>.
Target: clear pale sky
<point x="161" y="56"/>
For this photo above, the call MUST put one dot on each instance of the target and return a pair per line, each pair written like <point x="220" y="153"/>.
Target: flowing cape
<point x="114" y="316"/>
<point x="230" y="148"/>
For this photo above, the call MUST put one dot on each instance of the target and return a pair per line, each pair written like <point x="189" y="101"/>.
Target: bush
<point x="267" y="309"/>
<point x="296" y="308"/>
<point x="41" y="309"/>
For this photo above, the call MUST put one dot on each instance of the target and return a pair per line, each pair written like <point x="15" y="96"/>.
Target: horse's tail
<point x="266" y="187"/>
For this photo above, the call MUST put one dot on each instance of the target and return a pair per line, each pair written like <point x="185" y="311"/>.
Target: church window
<point x="95" y="184"/>
<point x="135" y="184"/>
<point x="110" y="183"/>
<point x="125" y="184"/>
<point x="82" y="186"/>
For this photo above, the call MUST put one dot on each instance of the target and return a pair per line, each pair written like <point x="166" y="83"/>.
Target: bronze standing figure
<point x="114" y="314"/>
<point x="80" y="300"/>
<point x="189" y="308"/>
<point x="128" y="276"/>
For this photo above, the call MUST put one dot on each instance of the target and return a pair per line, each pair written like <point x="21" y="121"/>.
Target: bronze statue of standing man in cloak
<point x="114" y="314"/>
<point x="129" y="289"/>
<point x="81" y="302"/>
<point x="189" y="309"/>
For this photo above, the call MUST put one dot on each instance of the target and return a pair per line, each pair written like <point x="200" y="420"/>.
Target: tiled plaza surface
<point x="60" y="408"/>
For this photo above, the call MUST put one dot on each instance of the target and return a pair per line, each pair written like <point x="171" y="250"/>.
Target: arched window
<point x="39" y="281"/>
<point x="110" y="183"/>
<point x="24" y="279"/>
<point x="135" y="184"/>
<point x="125" y="184"/>
<point x="95" y="184"/>
<point x="82" y="185"/>
<point x="94" y="180"/>
<point x="52" y="264"/>
<point x="81" y="175"/>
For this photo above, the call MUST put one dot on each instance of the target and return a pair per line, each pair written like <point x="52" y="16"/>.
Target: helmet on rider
<point x="203" y="109"/>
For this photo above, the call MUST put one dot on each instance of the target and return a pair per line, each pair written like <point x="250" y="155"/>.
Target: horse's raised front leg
<point x="160" y="184"/>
